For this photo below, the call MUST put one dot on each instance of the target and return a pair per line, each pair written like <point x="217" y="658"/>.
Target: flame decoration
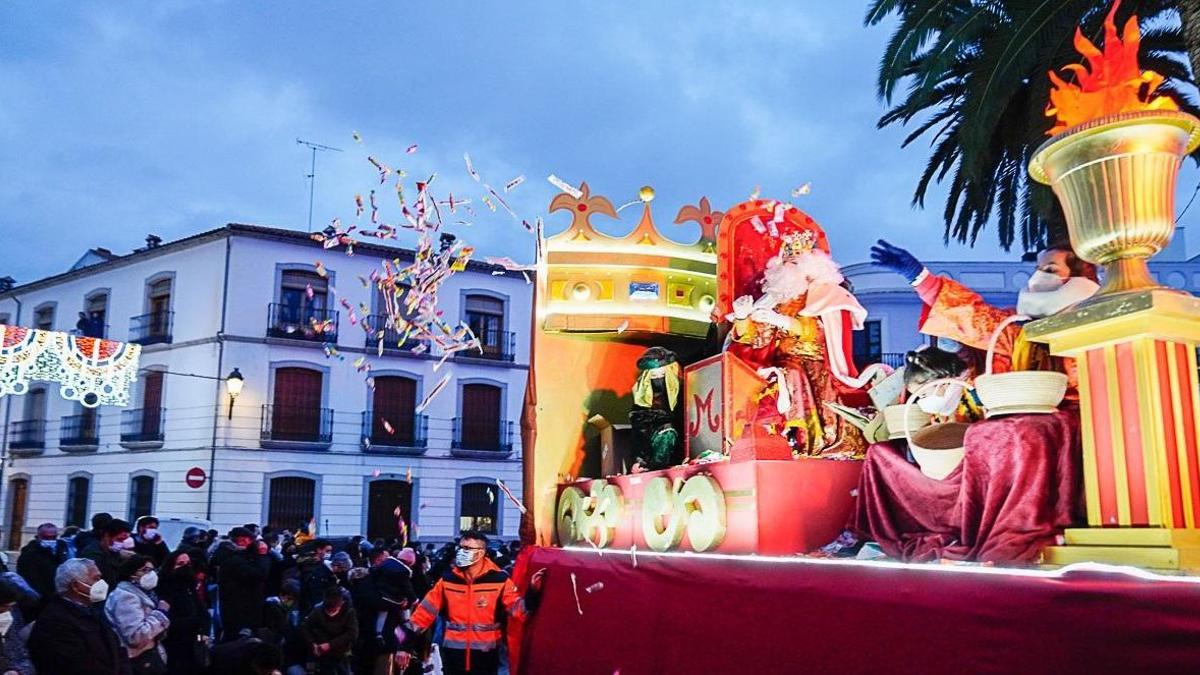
<point x="1110" y="83"/>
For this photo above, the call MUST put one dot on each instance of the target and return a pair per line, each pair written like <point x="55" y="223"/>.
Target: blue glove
<point x="896" y="259"/>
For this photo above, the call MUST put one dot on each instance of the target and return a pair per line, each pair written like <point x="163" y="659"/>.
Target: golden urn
<point x="1115" y="178"/>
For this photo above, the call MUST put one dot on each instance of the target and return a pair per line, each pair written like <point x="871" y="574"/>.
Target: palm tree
<point x="975" y="84"/>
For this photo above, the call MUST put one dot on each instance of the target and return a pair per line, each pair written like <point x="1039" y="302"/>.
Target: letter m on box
<point x="718" y="402"/>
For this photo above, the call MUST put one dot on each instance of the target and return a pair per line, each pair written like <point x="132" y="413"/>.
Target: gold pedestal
<point x="1139" y="406"/>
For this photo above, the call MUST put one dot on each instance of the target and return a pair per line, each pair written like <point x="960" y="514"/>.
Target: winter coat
<point x="38" y="564"/>
<point x="73" y="638"/>
<point x="14" y="653"/>
<point x="242" y="583"/>
<point x="155" y="549"/>
<point x="339" y="631"/>
<point x="135" y="616"/>
<point x="189" y="620"/>
<point x="315" y="577"/>
<point x="107" y="560"/>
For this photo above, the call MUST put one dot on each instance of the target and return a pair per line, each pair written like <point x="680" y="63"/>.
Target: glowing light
<point x="1110" y="83"/>
<point x="581" y="291"/>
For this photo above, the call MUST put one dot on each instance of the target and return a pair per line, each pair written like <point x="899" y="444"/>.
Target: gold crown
<point x="797" y="243"/>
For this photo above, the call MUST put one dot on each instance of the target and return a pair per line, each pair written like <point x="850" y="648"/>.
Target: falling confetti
<point x="595" y="588"/>
<point x="802" y="190"/>
<point x="411" y="149"/>
<point x="575" y="590"/>
<point x="623" y="327"/>
<point x="375" y="473"/>
<point x="564" y="186"/>
<point x="491" y="496"/>
<point x="408" y="476"/>
<point x="387" y="426"/>
<point x="437" y="389"/>
<point x="512" y="184"/>
<point x="633" y="554"/>
<point x="357" y="138"/>
<point x="320" y="267"/>
<point x="757" y="191"/>
<point x="470" y="167"/>
<point x="511" y="497"/>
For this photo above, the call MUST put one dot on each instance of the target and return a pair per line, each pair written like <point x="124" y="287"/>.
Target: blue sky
<point x="119" y="119"/>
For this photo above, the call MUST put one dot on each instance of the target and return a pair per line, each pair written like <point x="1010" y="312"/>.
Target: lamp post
<point x="233" y="384"/>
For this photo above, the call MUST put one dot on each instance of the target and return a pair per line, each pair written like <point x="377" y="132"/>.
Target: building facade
<point x="309" y="438"/>
<point x="894" y="310"/>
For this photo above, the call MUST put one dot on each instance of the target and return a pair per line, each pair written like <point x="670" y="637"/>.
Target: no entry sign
<point x="196" y="477"/>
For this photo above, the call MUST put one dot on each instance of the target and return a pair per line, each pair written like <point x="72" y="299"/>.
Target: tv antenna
<point x="312" y="174"/>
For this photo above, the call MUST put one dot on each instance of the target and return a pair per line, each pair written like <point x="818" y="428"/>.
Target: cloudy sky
<point x="117" y="120"/>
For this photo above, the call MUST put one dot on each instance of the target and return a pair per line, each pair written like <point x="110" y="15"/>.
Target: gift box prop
<point x="1114" y="171"/>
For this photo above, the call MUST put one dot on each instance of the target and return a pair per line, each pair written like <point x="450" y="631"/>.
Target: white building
<point x="307" y="436"/>
<point x="894" y="310"/>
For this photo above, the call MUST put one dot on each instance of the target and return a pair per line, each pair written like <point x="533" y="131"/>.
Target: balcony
<point x="376" y="323"/>
<point x="302" y="323"/>
<point x="408" y="436"/>
<point x="142" y="428"/>
<point x="497" y="345"/>
<point x="79" y="433"/>
<point x="474" y="440"/>
<point x="296" y="427"/>
<point x="94" y="330"/>
<point x="27" y="437"/>
<point x="152" y="329"/>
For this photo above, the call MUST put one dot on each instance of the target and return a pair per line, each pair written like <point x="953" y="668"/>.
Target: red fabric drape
<point x="694" y="615"/>
<point x="1019" y="484"/>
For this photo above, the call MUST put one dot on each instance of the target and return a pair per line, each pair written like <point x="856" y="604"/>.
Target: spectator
<point x="331" y="629"/>
<point x="275" y="553"/>
<point x="110" y="548"/>
<point x="68" y="534"/>
<point x="14" y="654"/>
<point x="283" y="622"/>
<point x="471" y="596"/>
<point x="86" y="537"/>
<point x="340" y="564"/>
<point x="245" y="656"/>
<point x="70" y="636"/>
<point x="138" y="616"/>
<point x="380" y="601"/>
<point x="315" y="575"/>
<point x="148" y="541"/>
<point x="242" y="569"/>
<point x="187" y="640"/>
<point x="39" y="560"/>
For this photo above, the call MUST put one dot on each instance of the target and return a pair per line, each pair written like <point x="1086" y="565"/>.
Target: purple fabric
<point x="1019" y="484"/>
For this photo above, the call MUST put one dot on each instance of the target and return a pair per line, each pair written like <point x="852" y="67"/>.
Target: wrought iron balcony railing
<point x="497" y="345"/>
<point x="151" y="329"/>
<point x="297" y="424"/>
<point x="27" y="435"/>
<point x="406" y="432"/>
<point x="143" y="425"/>
<point x="486" y="436"/>
<point x="302" y="323"/>
<point x="79" y="431"/>
<point x="377" y="326"/>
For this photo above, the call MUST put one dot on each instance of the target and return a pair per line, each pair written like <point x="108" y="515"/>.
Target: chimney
<point x="153" y="241"/>
<point x="7" y="283"/>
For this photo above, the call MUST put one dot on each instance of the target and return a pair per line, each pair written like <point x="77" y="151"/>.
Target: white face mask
<point x="125" y="545"/>
<point x="1038" y="304"/>
<point x="151" y="534"/>
<point x="149" y="580"/>
<point x="1041" y="281"/>
<point x="464" y="558"/>
<point x="943" y="404"/>
<point x="98" y="591"/>
<point x="6" y="622"/>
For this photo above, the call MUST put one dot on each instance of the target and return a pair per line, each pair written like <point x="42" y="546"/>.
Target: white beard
<point x="1038" y="304"/>
<point x="789" y="279"/>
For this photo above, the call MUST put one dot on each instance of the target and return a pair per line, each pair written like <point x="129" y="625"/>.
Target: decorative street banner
<point x="89" y="370"/>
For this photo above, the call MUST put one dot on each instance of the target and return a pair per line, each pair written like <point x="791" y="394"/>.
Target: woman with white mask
<point x="138" y="616"/>
<point x="953" y="311"/>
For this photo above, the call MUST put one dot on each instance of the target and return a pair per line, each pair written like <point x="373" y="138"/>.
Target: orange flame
<point x="1112" y="82"/>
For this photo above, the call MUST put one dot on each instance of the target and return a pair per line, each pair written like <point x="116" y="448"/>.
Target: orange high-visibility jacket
<point x="472" y="608"/>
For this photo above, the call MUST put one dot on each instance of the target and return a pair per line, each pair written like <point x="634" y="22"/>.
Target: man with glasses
<point x="474" y="596"/>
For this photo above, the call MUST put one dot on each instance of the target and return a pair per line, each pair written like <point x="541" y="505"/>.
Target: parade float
<point x="1059" y="539"/>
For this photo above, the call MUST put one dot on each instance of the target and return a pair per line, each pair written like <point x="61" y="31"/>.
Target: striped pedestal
<point x="1136" y="357"/>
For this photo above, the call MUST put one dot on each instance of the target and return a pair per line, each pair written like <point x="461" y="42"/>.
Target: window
<point x="152" y="404"/>
<point x="78" y="491"/>
<point x="43" y="317"/>
<point x="302" y="309"/>
<point x="80" y="429"/>
<point x="290" y="502"/>
<point x="29" y="432"/>
<point x="485" y="316"/>
<point x="480" y="424"/>
<point x="18" y="491"/>
<point x="295" y="412"/>
<point x="154" y="327"/>
<point x="384" y="497"/>
<point x="868" y="343"/>
<point x="94" y="322"/>
<point x="141" y="497"/>
<point x="478" y="508"/>
<point x="35" y="404"/>
<point x="394" y="401"/>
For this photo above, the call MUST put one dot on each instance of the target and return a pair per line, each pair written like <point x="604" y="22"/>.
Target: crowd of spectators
<point x="117" y="600"/>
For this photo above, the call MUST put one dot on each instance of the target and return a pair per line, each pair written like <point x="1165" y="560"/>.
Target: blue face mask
<point x="49" y="543"/>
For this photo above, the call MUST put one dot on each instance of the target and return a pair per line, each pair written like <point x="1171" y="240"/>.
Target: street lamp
<point x="233" y="383"/>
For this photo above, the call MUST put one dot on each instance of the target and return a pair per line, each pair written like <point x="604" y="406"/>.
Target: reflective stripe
<point x="428" y="606"/>
<point x="476" y="645"/>
<point x="485" y="626"/>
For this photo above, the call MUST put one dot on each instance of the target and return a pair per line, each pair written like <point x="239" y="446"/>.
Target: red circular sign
<point x="196" y="477"/>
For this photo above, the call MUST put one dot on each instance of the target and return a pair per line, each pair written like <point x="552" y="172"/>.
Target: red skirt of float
<point x="694" y="613"/>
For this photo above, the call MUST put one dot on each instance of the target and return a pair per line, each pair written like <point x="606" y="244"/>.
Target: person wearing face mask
<point x="314" y="562"/>
<point x="186" y="641"/>
<point x="71" y="635"/>
<point x="14" y="654"/>
<point x="330" y="630"/>
<point x="113" y="544"/>
<point x="39" y="560"/>
<point x="138" y="616"/>
<point x="148" y="541"/>
<point x="955" y="312"/>
<point x="471" y="597"/>
<point x="242" y="568"/>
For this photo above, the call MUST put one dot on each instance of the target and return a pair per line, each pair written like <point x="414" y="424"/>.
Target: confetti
<point x="320" y="267"/>
<point x="633" y="554"/>
<point x="383" y="169"/>
<point x="375" y="473"/>
<point x="437" y="389"/>
<point x="564" y="186"/>
<point x="512" y="184"/>
<point x="802" y="190"/>
<point x="387" y="426"/>
<point x="575" y="590"/>
<point x="511" y="497"/>
<point x="470" y="167"/>
<point x="623" y="327"/>
<point x="411" y="149"/>
<point x="757" y="191"/>
<point x="508" y="264"/>
<point x="595" y="588"/>
<point x="357" y="138"/>
<point x="491" y="496"/>
<point x="308" y="291"/>
<point x="408" y="475"/>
